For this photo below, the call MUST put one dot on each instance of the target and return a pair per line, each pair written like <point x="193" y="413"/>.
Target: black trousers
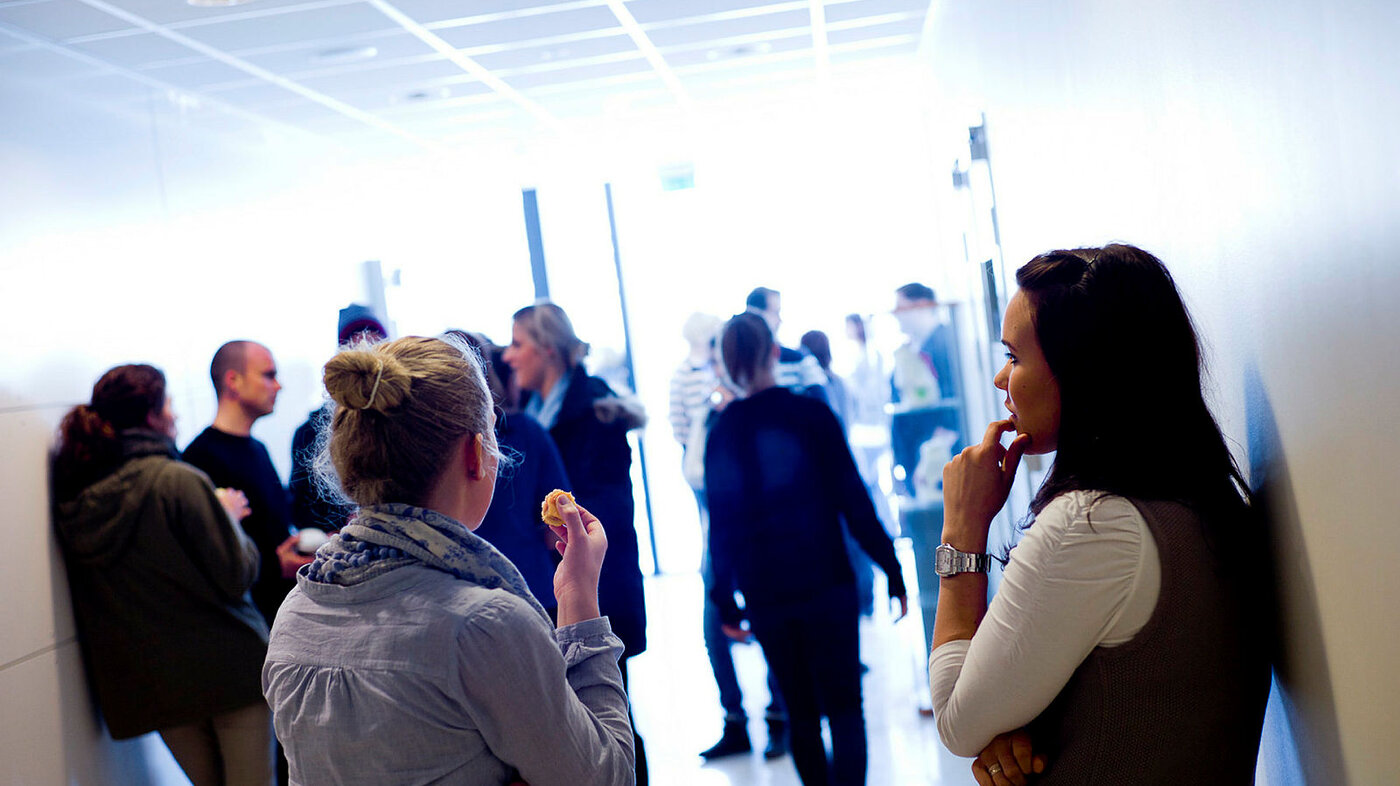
<point x="813" y="649"/>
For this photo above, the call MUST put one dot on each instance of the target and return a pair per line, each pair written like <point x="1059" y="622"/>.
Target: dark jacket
<point x="598" y="460"/>
<point x="311" y="506"/>
<point x="159" y="578"/>
<point x="780" y="479"/>
<point x="512" y="523"/>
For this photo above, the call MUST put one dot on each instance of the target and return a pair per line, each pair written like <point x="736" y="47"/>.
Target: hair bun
<point x="365" y="379"/>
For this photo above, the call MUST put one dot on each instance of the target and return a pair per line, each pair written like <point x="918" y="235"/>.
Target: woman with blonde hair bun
<point x="411" y="650"/>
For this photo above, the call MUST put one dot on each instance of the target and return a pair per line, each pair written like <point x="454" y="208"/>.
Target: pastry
<point x="549" y="511"/>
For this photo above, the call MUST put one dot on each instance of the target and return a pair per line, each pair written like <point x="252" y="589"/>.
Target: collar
<point x="545" y="409"/>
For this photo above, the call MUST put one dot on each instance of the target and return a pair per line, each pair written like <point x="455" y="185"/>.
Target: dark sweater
<point x="242" y="463"/>
<point x="780" y="478"/>
<point x="1183" y="702"/>
<point x="159" y="579"/>
<point x="513" y="523"/>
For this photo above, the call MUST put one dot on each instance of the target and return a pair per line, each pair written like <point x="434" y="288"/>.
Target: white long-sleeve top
<point x="1085" y="575"/>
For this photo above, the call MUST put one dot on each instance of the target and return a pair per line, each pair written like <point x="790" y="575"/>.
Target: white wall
<point x="1251" y="145"/>
<point x="147" y="238"/>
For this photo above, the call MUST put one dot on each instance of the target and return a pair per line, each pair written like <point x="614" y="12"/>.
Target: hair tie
<point x="378" y="375"/>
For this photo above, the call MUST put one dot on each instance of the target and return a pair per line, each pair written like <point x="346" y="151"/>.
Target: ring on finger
<point x="994" y="768"/>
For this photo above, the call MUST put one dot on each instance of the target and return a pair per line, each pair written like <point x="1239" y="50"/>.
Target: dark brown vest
<point x="1183" y="701"/>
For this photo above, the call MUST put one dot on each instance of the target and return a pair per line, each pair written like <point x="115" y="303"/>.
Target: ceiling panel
<point x="57" y="20"/>
<point x="424" y="98"/>
<point x="194" y="76"/>
<point x="109" y="88"/>
<point x="180" y="12"/>
<point x="39" y="64"/>
<point x="523" y="81"/>
<point x="433" y="11"/>
<point x="569" y="58"/>
<point x="737" y="50"/>
<point x="648" y="12"/>
<point x="572" y="20"/>
<point x="725" y="28"/>
<point x="549" y="53"/>
<point x="291" y="27"/>
<point x="910" y="27"/>
<point x="318" y="55"/>
<point x="894" y="47"/>
<point x="136" y="50"/>
<point x="400" y="80"/>
<point x="254" y="95"/>
<point x="854" y="9"/>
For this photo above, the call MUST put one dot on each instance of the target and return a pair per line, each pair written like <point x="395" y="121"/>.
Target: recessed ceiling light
<point x="216" y="3"/>
<point x="428" y="94"/>
<point x="345" y="54"/>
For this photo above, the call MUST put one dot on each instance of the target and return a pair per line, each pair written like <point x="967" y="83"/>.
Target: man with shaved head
<point x="245" y="381"/>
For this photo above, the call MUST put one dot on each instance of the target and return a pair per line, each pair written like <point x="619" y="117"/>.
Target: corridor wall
<point x="137" y="234"/>
<point x="1251" y="146"/>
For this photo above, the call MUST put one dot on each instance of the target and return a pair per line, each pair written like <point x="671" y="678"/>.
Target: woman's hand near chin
<point x="582" y="544"/>
<point x="975" y="486"/>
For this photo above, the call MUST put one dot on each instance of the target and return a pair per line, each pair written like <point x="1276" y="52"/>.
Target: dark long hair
<point x="745" y="345"/>
<point x="1133" y="419"/>
<point x="89" y="442"/>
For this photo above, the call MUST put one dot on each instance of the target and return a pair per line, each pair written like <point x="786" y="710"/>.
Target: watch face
<point x="943" y="560"/>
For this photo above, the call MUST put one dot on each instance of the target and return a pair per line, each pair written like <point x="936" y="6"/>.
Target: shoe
<point x="734" y="740"/>
<point x="777" y="739"/>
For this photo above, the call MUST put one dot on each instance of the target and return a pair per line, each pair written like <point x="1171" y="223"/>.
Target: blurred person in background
<point x="780" y="479"/>
<point x="819" y="346"/>
<point x="312" y="506"/>
<point x="245" y="383"/>
<point x="159" y="575"/>
<point x="697" y="396"/>
<point x="513" y="523"/>
<point x="589" y="423"/>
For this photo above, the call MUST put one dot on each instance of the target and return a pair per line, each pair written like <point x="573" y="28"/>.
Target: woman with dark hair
<point x="589" y="424"/>
<point x="1126" y="636"/>
<point x="819" y="346"/>
<point x="160" y="576"/>
<point x="411" y="650"/>
<point x="780" y="479"/>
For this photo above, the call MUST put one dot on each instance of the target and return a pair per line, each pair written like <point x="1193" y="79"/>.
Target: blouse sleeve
<point x="1085" y="575"/>
<point x="556" y="720"/>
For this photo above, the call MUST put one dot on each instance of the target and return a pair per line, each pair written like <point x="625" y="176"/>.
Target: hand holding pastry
<point x="583" y="543"/>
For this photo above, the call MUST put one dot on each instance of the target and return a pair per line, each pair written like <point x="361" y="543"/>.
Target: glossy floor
<point x="678" y="714"/>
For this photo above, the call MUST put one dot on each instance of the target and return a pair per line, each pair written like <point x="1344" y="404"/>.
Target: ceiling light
<point x="345" y="54"/>
<point x="216" y="3"/>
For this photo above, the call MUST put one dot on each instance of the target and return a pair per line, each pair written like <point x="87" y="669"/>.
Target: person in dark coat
<point x="513" y="523"/>
<point x="313" y="507"/>
<point x="159" y="576"/>
<point x="780" y="480"/>
<point x="589" y="423"/>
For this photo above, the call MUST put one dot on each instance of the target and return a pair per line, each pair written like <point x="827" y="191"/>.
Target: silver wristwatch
<point x="948" y="561"/>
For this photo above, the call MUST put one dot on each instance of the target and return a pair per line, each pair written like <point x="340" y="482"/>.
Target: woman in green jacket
<point x="159" y="575"/>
